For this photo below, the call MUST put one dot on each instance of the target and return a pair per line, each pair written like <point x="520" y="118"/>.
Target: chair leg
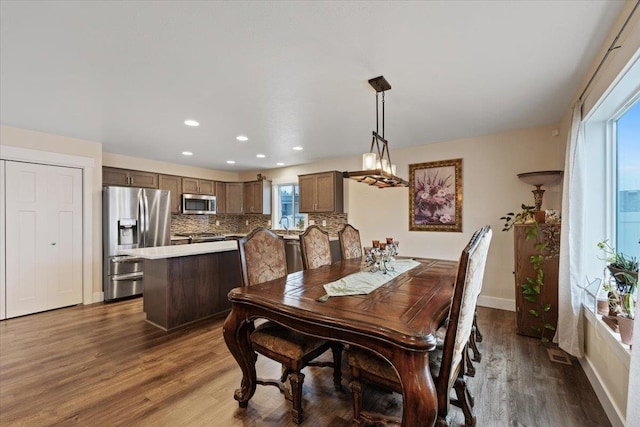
<point x="296" y="379"/>
<point x="336" y="349"/>
<point x="478" y="334"/>
<point x="467" y="366"/>
<point x="462" y="394"/>
<point x="356" y="390"/>
<point x="477" y="356"/>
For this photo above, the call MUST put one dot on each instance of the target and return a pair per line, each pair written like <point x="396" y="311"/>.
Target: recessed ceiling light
<point x="242" y="138"/>
<point x="191" y="122"/>
<point x="260" y="156"/>
<point x="231" y="161"/>
<point x="298" y="148"/>
<point x="279" y="164"/>
<point x="187" y="153"/>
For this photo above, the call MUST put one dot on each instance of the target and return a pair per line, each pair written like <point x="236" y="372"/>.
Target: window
<point x="286" y="213"/>
<point x="627" y="215"/>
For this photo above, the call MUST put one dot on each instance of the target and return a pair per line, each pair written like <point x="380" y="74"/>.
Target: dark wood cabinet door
<point x="189" y="185"/>
<point x="207" y="187"/>
<point x="115" y="176"/>
<point x="307" y="196"/>
<point x="174" y="185"/>
<point x="143" y="179"/>
<point x="325" y="192"/>
<point x="234" y="193"/>
<point x="221" y="197"/>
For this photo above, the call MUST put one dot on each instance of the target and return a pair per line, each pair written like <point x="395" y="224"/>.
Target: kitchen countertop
<point x="160" y="252"/>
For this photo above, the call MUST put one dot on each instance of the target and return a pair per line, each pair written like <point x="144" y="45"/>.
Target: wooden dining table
<point x="398" y="321"/>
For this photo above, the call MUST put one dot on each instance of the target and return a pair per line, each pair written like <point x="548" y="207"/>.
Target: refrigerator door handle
<point x="146" y="218"/>
<point x="142" y="221"/>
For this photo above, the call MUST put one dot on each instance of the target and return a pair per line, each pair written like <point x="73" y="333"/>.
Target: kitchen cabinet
<point x="528" y="324"/>
<point x="198" y="186"/>
<point x="321" y="192"/>
<point x="257" y="197"/>
<point x="128" y="178"/>
<point x="221" y="197"/>
<point x="174" y="185"/>
<point x="234" y="196"/>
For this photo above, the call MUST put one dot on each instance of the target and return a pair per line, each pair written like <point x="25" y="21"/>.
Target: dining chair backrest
<point x="350" y="245"/>
<point x="262" y="256"/>
<point x="463" y="305"/>
<point x="315" y="247"/>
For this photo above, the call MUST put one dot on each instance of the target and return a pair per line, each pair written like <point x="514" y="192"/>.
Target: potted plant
<point x="623" y="270"/>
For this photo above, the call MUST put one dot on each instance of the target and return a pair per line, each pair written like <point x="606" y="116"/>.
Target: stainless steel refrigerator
<point x="131" y="218"/>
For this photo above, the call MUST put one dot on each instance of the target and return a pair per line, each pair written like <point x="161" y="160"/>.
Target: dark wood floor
<point x="104" y="365"/>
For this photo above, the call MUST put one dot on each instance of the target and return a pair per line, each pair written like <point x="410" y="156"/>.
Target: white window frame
<point x="275" y="211"/>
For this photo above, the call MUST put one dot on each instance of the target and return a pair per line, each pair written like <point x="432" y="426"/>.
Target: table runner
<point x="364" y="282"/>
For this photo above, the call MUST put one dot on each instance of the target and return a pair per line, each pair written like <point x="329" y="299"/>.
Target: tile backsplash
<point x="228" y="224"/>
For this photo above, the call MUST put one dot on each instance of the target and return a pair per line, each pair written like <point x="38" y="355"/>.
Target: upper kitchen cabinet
<point x="257" y="197"/>
<point x="321" y="192"/>
<point x="221" y="197"/>
<point x="234" y="196"/>
<point x="174" y="185"/>
<point x="128" y="178"/>
<point x="198" y="186"/>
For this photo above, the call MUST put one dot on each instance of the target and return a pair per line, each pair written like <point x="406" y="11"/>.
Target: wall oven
<point x="203" y="204"/>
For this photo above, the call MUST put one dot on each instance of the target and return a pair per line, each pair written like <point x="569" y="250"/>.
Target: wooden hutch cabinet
<point x="527" y="323"/>
<point x="321" y="192"/>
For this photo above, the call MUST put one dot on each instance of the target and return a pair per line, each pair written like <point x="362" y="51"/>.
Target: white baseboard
<point x="613" y="413"/>
<point x="97" y="297"/>
<point x="499" y="303"/>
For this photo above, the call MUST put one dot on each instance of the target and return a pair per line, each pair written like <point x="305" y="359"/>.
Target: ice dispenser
<point x="127" y="232"/>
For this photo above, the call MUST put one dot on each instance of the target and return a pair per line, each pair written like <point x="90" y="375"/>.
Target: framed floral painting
<point x="435" y="196"/>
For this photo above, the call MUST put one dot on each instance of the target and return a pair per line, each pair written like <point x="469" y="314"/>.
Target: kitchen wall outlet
<point x="312" y="222"/>
<point x="269" y="223"/>
<point x="324" y="222"/>
<point x="217" y="222"/>
<point x="246" y="222"/>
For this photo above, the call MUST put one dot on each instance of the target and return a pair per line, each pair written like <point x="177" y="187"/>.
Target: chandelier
<point x="377" y="168"/>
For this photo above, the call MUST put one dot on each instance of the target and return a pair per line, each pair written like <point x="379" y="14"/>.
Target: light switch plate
<point x="312" y="222"/>
<point x="217" y="222"/>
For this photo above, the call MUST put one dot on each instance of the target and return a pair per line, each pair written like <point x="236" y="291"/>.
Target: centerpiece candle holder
<point x="381" y="256"/>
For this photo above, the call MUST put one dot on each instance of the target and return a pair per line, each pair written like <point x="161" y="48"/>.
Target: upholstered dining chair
<point x="446" y="362"/>
<point x="350" y="245"/>
<point x="262" y="258"/>
<point x="315" y="247"/>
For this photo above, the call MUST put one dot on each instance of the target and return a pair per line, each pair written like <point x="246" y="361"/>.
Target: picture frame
<point x="435" y="196"/>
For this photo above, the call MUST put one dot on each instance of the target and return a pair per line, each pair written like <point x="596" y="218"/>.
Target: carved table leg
<point x="419" y="398"/>
<point x="236" y="332"/>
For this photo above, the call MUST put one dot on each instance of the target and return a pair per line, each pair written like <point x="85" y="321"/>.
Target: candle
<point x="389" y="240"/>
<point x="376" y="243"/>
<point x="383" y="246"/>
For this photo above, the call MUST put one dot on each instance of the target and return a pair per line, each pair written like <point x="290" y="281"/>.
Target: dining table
<point x="397" y="320"/>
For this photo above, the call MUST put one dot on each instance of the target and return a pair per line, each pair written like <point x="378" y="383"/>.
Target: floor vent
<point x="557" y="355"/>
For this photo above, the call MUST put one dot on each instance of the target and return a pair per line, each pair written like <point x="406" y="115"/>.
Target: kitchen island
<point x="187" y="283"/>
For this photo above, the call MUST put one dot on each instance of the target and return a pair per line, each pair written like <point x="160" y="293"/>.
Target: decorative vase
<point x="625" y="326"/>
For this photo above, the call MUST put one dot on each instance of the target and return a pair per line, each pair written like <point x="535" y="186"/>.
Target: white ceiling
<point x="127" y="74"/>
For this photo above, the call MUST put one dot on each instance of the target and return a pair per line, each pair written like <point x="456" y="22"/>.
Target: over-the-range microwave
<point x="198" y="204"/>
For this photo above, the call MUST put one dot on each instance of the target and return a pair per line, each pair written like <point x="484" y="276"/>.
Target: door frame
<point x="87" y="165"/>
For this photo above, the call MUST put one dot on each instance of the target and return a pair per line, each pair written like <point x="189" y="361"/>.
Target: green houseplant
<point x="621" y="286"/>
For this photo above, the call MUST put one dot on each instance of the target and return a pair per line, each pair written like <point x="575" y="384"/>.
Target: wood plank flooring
<point x="103" y="365"/>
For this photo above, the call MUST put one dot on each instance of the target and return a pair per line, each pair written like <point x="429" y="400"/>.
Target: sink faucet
<point x="284" y="220"/>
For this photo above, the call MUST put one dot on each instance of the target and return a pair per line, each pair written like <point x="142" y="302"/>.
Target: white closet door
<point x="44" y="237"/>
